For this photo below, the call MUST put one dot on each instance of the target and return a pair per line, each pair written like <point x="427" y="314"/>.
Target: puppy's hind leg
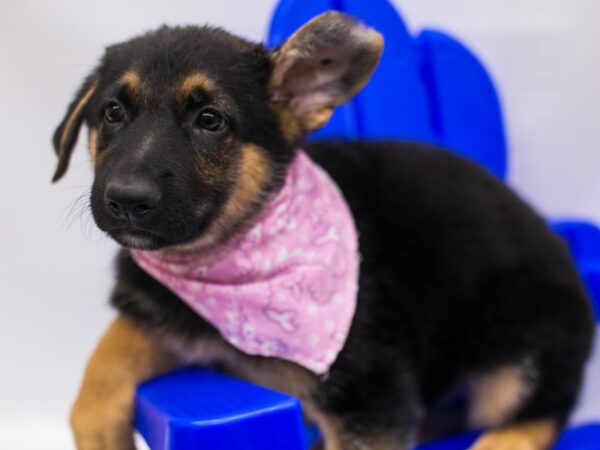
<point x="527" y="358"/>
<point x="495" y="395"/>
<point x="524" y="408"/>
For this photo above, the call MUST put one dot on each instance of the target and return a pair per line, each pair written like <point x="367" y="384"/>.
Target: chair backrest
<point x="427" y="88"/>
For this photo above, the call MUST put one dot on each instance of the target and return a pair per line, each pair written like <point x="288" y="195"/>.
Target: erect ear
<point x="321" y="66"/>
<point x="65" y="136"/>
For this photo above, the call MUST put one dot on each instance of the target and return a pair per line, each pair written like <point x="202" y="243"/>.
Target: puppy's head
<point x="191" y="130"/>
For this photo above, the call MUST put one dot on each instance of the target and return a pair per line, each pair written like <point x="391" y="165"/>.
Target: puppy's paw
<point x="503" y="441"/>
<point x="103" y="426"/>
<point x="535" y="435"/>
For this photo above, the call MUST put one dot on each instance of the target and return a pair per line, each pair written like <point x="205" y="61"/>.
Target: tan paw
<point x="503" y="441"/>
<point x="101" y="427"/>
<point x="102" y="416"/>
<point x="535" y="435"/>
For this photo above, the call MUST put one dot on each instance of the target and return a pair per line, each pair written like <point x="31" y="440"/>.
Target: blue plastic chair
<point x="427" y="88"/>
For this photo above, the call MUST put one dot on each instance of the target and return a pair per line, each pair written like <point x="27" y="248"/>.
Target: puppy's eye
<point x="211" y="120"/>
<point x="113" y="112"/>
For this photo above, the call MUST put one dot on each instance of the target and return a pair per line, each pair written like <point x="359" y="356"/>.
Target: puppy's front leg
<point x="102" y="416"/>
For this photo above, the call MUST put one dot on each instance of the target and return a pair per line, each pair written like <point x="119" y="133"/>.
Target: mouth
<point x="135" y="238"/>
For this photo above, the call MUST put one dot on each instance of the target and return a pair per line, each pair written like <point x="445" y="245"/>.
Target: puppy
<point x="241" y="251"/>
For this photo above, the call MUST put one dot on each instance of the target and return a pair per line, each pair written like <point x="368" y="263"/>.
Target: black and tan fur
<point x="461" y="284"/>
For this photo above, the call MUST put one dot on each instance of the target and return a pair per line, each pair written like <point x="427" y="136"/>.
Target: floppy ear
<point x="65" y="136"/>
<point x="321" y="66"/>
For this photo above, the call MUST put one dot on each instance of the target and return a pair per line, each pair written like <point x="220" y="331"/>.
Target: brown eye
<point x="211" y="120"/>
<point x="113" y="112"/>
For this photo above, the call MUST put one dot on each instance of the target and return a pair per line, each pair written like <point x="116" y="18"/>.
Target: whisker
<point x="75" y="209"/>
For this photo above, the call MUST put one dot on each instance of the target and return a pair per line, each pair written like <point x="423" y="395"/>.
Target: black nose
<point x="131" y="199"/>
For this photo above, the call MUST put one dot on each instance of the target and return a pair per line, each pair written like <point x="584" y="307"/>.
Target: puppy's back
<point x="462" y="265"/>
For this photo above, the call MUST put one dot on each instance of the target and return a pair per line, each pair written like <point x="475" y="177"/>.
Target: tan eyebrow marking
<point x="133" y="82"/>
<point x="194" y="81"/>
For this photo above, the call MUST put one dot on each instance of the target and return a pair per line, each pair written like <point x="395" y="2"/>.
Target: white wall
<point x="56" y="275"/>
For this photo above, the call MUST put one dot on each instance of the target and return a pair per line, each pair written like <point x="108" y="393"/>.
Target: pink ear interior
<point x="310" y="84"/>
<point x="325" y="63"/>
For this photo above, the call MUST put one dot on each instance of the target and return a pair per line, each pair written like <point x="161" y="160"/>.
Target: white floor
<point x="45" y="433"/>
<point x="40" y="434"/>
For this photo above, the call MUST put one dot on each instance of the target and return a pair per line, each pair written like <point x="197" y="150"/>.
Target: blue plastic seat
<point x="430" y="88"/>
<point x="199" y="408"/>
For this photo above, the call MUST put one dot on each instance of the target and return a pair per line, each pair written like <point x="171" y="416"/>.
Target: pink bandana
<point x="286" y="287"/>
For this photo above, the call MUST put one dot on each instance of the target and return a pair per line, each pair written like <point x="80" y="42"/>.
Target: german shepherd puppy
<point x="191" y="133"/>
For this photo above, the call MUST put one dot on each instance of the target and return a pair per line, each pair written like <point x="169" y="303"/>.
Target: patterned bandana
<point x="285" y="288"/>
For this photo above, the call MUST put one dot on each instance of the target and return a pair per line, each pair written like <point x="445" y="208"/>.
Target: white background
<point x="55" y="268"/>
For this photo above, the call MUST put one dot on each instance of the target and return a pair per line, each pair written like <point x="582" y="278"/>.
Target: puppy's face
<point x="191" y="130"/>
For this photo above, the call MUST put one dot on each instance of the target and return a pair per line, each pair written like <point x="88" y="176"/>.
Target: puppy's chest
<point x="213" y="351"/>
<point x="216" y="352"/>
